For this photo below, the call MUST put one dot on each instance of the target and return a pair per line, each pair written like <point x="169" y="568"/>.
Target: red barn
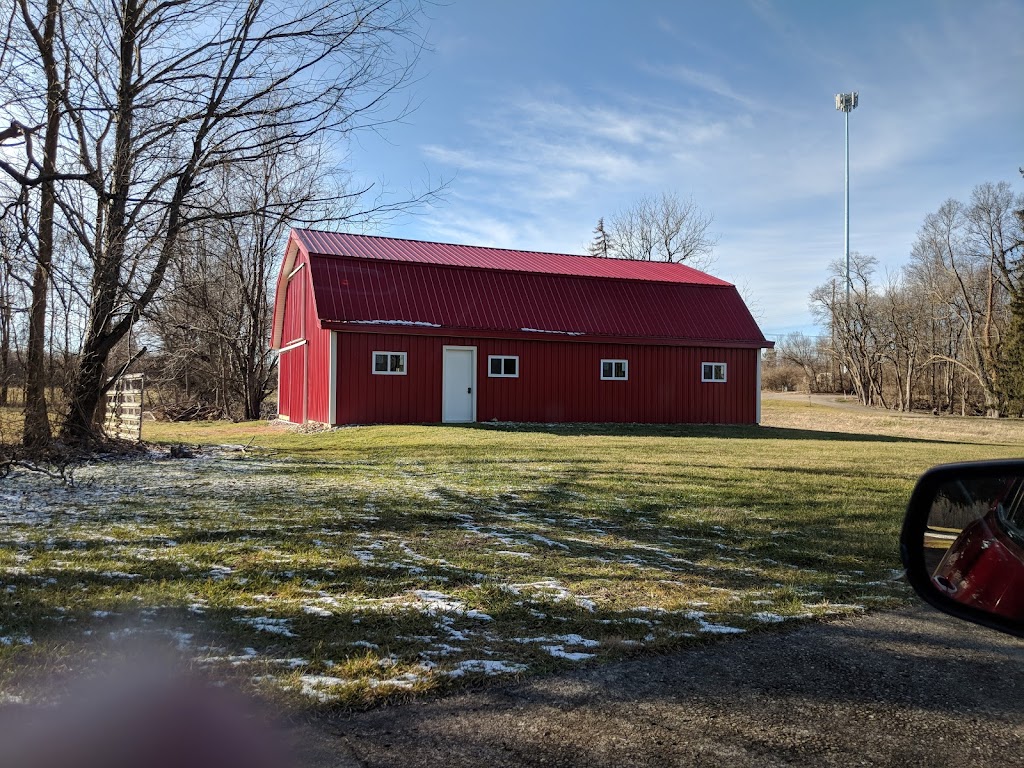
<point x="379" y="330"/>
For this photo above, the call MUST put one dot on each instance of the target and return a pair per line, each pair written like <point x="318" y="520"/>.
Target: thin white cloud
<point x="558" y="148"/>
<point x="537" y="169"/>
<point x="708" y="82"/>
<point x="467" y="160"/>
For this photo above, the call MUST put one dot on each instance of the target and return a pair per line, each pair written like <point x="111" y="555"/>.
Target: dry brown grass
<point x="795" y="412"/>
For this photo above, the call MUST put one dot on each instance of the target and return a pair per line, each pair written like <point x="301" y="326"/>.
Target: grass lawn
<point x="343" y="568"/>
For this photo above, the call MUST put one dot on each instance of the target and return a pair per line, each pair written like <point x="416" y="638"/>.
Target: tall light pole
<point x="847" y="102"/>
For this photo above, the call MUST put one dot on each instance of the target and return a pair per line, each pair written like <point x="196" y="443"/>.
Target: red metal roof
<point x="421" y="252"/>
<point x="356" y="292"/>
<point x="433" y="288"/>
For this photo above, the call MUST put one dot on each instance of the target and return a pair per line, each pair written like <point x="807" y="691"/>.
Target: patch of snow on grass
<point x="405" y="681"/>
<point x="559" y="652"/>
<point x="442" y="649"/>
<point x="266" y="624"/>
<point x="364" y="557"/>
<point x="183" y="640"/>
<point x="486" y="667"/>
<point x="710" y="627"/>
<point x="720" y="629"/>
<point x="314" y="686"/>
<point x="315" y="610"/>
<point x="220" y="572"/>
<point x="575" y="640"/>
<point x="15" y="640"/>
<point x="435" y="603"/>
<point x="553" y="590"/>
<point x="544" y="540"/>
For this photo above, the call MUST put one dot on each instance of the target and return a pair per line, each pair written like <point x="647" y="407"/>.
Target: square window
<point x="389" y="363"/>
<point x="615" y="370"/>
<point x="714" y="372"/>
<point x="503" y="366"/>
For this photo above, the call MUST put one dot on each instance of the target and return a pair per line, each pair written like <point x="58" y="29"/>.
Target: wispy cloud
<point x="558" y="147"/>
<point x="707" y="82"/>
<point x="762" y="152"/>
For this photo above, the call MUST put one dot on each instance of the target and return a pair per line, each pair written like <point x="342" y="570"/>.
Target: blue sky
<point x="544" y="116"/>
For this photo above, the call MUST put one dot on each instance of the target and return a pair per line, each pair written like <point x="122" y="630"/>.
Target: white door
<point x="458" y="384"/>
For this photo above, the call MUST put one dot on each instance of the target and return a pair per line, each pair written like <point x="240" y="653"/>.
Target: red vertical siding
<point x="318" y="375"/>
<point x="318" y="362"/>
<point x="294" y="302"/>
<point x="305" y="369"/>
<point x="558" y="381"/>
<point x="292" y="363"/>
<point x="290" y="396"/>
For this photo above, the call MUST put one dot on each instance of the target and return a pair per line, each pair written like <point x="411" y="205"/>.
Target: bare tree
<point x="803" y="351"/>
<point x="854" y="325"/>
<point x="972" y="286"/>
<point x="11" y="293"/>
<point x="994" y="229"/>
<point x="156" y="97"/>
<point x="31" y="44"/>
<point x="937" y="331"/>
<point x="214" y="319"/>
<point x="903" y="312"/>
<point x="663" y="228"/>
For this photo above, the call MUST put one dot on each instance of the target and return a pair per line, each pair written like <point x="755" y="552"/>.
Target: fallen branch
<point x="63" y="473"/>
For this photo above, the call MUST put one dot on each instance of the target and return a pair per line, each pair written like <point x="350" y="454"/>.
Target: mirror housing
<point x="962" y="542"/>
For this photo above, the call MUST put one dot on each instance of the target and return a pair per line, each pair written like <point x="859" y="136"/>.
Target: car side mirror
<point x="963" y="542"/>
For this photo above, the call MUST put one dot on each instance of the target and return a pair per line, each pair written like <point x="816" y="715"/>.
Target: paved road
<point x="907" y="688"/>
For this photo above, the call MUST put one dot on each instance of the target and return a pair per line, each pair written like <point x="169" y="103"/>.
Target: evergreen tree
<point x="602" y="244"/>
<point x="1011" y="351"/>
<point x="1011" y="357"/>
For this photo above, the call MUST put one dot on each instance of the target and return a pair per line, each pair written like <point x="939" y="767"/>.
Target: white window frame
<point x="613" y="377"/>
<point x="714" y="367"/>
<point x="502" y="375"/>
<point x="373" y="363"/>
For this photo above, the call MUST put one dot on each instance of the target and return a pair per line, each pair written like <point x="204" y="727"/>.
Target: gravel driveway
<point x="907" y="688"/>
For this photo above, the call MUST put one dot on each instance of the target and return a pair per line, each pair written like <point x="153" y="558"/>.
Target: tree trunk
<point x="37" y="432"/>
<point x="910" y="382"/>
<point x="100" y="337"/>
<point x="5" y="350"/>
<point x="79" y="426"/>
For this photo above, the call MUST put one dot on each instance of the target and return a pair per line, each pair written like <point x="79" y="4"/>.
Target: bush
<point x="782" y="378"/>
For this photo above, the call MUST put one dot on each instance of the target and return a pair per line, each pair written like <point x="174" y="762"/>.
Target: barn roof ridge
<point x="696" y="276"/>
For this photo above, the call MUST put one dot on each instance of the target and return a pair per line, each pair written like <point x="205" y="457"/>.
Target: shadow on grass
<point x="723" y="431"/>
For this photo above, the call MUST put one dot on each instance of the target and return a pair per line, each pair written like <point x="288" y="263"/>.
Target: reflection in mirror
<point x="974" y="543"/>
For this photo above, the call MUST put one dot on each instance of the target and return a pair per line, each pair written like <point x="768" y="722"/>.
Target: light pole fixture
<point x="847" y="102"/>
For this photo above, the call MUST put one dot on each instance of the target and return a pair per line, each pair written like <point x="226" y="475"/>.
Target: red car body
<point x="984" y="568"/>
